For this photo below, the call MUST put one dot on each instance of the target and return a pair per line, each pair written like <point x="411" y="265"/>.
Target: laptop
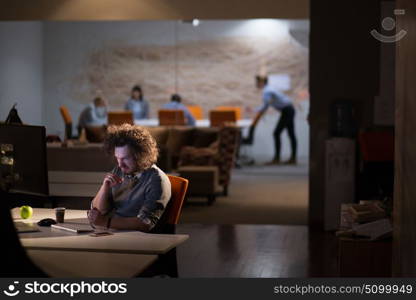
<point x="73" y="227"/>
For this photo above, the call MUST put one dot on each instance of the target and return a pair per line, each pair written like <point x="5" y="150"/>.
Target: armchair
<point x="209" y="169"/>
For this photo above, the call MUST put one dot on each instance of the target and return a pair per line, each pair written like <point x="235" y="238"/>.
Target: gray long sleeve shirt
<point x="144" y="195"/>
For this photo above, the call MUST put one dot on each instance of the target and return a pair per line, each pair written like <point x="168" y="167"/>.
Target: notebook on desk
<point x="22" y="227"/>
<point x="73" y="227"/>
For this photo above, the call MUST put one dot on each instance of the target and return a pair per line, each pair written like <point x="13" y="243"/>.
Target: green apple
<point x="26" y="211"/>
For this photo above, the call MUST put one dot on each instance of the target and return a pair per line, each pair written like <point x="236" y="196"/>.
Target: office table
<point x="121" y="241"/>
<point x="199" y="123"/>
<point x="123" y="254"/>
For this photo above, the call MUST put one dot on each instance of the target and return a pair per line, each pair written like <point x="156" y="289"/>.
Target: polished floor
<point x="257" y="195"/>
<point x="253" y="251"/>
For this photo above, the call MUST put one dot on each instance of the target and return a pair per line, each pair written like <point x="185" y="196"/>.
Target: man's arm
<point x="190" y="118"/>
<point x="126" y="223"/>
<point x="101" y="200"/>
<point x="132" y="223"/>
<point x="127" y="105"/>
<point x="146" y="109"/>
<point x="257" y="118"/>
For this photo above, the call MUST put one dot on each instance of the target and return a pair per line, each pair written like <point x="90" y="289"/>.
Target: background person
<point x="175" y="103"/>
<point x="137" y="104"/>
<point x="282" y="103"/>
<point x="95" y="114"/>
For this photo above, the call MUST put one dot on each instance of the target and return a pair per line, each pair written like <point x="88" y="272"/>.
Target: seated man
<point x="95" y="114"/>
<point x="175" y="103"/>
<point x="135" y="194"/>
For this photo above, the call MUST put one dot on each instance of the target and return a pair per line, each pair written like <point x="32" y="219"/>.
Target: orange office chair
<point x="167" y="263"/>
<point x="237" y="110"/>
<point x="219" y="118"/>
<point x="171" y="117"/>
<point x="120" y="117"/>
<point x="196" y="111"/>
<point x="66" y="116"/>
<point x="179" y="188"/>
<point x="170" y="217"/>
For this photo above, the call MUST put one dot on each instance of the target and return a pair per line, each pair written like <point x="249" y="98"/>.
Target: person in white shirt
<point x="175" y="103"/>
<point x="282" y="103"/>
<point x="95" y="114"/>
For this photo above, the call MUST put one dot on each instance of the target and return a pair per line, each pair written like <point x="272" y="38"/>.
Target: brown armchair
<point x="209" y="169"/>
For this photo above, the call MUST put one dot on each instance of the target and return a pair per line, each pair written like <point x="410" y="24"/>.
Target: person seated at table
<point x="137" y="104"/>
<point x="135" y="194"/>
<point x="175" y="103"/>
<point x="95" y="114"/>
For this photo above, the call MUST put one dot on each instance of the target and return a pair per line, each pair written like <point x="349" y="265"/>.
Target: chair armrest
<point x="203" y="180"/>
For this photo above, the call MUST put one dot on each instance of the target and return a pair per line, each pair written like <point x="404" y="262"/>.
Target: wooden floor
<point x="254" y="251"/>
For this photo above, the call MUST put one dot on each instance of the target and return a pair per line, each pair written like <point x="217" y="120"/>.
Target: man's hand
<point x="111" y="180"/>
<point x="96" y="218"/>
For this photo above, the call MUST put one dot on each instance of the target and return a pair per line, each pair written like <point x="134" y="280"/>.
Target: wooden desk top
<point x="135" y="242"/>
<point x="199" y="123"/>
<point x="120" y="242"/>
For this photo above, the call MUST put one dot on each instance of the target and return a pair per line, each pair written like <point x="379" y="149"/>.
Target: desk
<point x="74" y="184"/>
<point x="123" y="254"/>
<point x="120" y="242"/>
<point x="199" y="123"/>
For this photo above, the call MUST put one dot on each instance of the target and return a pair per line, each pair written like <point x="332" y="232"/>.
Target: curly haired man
<point x="135" y="194"/>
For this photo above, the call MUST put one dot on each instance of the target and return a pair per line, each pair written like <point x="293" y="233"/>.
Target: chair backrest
<point x="377" y="146"/>
<point x="196" y="111"/>
<point x="120" y="117"/>
<point x="229" y="137"/>
<point x="237" y="110"/>
<point x="169" y="117"/>
<point x="179" y="187"/>
<point x="65" y="114"/>
<point x="220" y="118"/>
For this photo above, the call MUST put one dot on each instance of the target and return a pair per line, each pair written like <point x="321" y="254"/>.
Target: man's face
<point x="125" y="159"/>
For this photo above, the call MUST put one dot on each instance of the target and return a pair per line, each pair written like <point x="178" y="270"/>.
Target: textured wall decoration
<point x="209" y="72"/>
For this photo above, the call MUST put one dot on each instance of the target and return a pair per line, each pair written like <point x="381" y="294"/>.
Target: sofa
<point x="79" y="158"/>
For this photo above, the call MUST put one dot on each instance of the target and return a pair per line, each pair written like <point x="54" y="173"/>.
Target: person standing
<point x="282" y="103"/>
<point x="137" y="104"/>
